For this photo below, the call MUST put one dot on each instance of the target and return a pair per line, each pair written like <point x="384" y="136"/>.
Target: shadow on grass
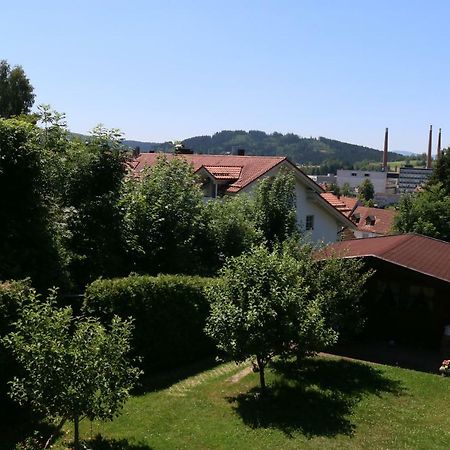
<point x="154" y="382"/>
<point x="19" y="430"/>
<point x="101" y="443"/>
<point x="315" y="399"/>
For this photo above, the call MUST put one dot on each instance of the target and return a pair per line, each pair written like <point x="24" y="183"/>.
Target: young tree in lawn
<point x="73" y="368"/>
<point x="260" y="308"/>
<point x="282" y="303"/>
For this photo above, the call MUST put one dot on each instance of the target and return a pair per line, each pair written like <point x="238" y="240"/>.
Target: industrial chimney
<point x="439" y="144"/>
<point x="385" y="151"/>
<point x="430" y="142"/>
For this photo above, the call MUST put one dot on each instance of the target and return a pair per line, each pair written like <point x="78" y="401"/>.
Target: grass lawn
<point x="328" y="403"/>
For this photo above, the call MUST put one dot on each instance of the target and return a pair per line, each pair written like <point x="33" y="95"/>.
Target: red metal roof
<point x="249" y="167"/>
<point x="384" y="219"/>
<point x="413" y="251"/>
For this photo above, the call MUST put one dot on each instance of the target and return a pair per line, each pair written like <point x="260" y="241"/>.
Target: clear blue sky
<point x="166" y="70"/>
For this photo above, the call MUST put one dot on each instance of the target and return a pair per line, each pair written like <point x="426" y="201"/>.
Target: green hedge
<point x="169" y="311"/>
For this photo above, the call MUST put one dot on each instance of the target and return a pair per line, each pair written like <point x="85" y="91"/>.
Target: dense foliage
<point x="16" y="91"/>
<point x="28" y="232"/>
<point x="170" y="313"/>
<point x="428" y="210"/>
<point x="366" y="190"/>
<point x="281" y="302"/>
<point x="72" y="367"/>
<point x="163" y="212"/>
<point x="275" y="207"/>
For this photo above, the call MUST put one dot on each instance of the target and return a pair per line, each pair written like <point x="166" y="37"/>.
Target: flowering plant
<point x="445" y="367"/>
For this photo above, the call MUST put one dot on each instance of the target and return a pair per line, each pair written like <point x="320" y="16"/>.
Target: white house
<point x="233" y="174"/>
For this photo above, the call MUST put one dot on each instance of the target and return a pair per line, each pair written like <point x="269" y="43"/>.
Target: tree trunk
<point x="54" y="434"/>
<point x="262" y="379"/>
<point x="76" y="434"/>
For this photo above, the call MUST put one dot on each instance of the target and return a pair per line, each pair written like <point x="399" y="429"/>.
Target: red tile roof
<point x="344" y="204"/>
<point x="250" y="168"/>
<point x="224" y="172"/>
<point x="384" y="219"/>
<point x="247" y="169"/>
<point x="413" y="251"/>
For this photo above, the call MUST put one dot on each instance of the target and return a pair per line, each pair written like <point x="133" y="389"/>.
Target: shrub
<point x="13" y="294"/>
<point x="170" y="313"/>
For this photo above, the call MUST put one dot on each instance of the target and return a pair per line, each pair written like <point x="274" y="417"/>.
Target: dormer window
<point x="356" y="217"/>
<point x="370" y="220"/>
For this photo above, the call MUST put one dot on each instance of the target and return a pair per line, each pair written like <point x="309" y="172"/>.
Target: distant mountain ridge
<point x="301" y="150"/>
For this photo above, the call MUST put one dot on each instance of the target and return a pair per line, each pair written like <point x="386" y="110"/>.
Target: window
<point x="309" y="223"/>
<point x="367" y="174"/>
<point x="354" y="174"/>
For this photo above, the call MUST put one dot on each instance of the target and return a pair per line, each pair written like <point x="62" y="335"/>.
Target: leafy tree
<point x="163" y="218"/>
<point x="262" y="306"/>
<point x="73" y="367"/>
<point x="366" y="190"/>
<point x="16" y="92"/>
<point x="441" y="172"/>
<point x="346" y="190"/>
<point x="231" y="226"/>
<point x="334" y="188"/>
<point x="426" y="212"/>
<point x="275" y="208"/>
<point x="28" y="243"/>
<point x="91" y="188"/>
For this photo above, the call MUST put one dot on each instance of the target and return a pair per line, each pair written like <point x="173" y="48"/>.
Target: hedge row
<point x="169" y="311"/>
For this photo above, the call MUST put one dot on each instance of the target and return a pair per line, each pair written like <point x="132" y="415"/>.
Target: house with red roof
<point x="235" y="174"/>
<point x="408" y="297"/>
<point x="372" y="222"/>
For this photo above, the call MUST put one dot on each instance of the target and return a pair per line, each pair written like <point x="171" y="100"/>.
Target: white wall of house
<point x="326" y="227"/>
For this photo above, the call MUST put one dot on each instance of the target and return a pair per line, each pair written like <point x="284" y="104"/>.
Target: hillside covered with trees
<point x="310" y="151"/>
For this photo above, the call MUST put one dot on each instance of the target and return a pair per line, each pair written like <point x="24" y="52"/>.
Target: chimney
<point x="235" y="150"/>
<point x="430" y="142"/>
<point x="439" y="144"/>
<point x="385" y="151"/>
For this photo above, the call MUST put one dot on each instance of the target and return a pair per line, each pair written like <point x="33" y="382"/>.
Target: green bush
<point x="12" y="295"/>
<point x="170" y="313"/>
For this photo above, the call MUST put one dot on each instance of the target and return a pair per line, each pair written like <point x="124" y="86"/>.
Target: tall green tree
<point x="91" y="188"/>
<point x="275" y="207"/>
<point x="72" y="368"/>
<point x="28" y="243"/>
<point x="163" y="218"/>
<point x="231" y="226"/>
<point x="426" y="212"/>
<point x="441" y="171"/>
<point x="366" y="190"/>
<point x="16" y="91"/>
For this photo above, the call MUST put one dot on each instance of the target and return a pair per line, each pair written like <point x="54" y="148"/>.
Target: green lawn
<point x="328" y="403"/>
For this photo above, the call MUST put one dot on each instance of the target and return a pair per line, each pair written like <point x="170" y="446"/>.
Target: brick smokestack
<point x="385" y="150"/>
<point x="439" y="144"/>
<point x="430" y="143"/>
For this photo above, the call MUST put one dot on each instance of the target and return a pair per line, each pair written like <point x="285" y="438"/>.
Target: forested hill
<point x="300" y="150"/>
